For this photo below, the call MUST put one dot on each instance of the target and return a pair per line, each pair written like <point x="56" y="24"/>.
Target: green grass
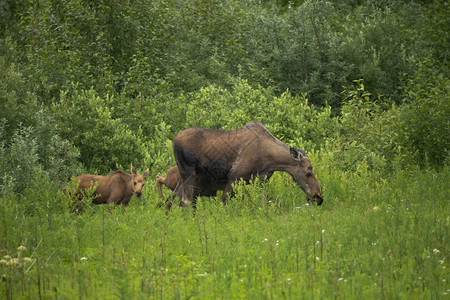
<point x="374" y="237"/>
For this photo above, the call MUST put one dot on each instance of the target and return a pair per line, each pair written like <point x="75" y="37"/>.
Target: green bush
<point x="19" y="160"/>
<point x="425" y="116"/>
<point x="414" y="133"/>
<point x="18" y="104"/>
<point x="104" y="141"/>
<point x="35" y="152"/>
<point x="313" y="47"/>
<point x="368" y="133"/>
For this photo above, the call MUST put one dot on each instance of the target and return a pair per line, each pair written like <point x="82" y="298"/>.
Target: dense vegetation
<point x="362" y="86"/>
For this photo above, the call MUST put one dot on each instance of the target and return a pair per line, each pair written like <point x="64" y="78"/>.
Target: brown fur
<point x="203" y="185"/>
<point x="227" y="156"/>
<point x="117" y="188"/>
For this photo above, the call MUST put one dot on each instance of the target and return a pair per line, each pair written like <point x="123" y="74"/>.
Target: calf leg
<point x="160" y="180"/>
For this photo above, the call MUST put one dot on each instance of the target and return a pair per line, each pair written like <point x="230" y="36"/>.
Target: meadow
<point x="88" y="87"/>
<point x="374" y="237"/>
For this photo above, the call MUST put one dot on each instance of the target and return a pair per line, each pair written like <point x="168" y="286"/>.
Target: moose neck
<point x="281" y="159"/>
<point x="129" y="183"/>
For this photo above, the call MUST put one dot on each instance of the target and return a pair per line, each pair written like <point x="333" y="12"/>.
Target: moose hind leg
<point x="187" y="191"/>
<point x="186" y="187"/>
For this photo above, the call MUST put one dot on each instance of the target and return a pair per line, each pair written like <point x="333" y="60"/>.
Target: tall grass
<point x="375" y="236"/>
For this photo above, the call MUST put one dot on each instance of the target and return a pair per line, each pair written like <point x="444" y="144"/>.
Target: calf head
<point x="138" y="181"/>
<point x="304" y="176"/>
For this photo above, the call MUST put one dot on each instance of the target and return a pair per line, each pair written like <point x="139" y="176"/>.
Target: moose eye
<point x="135" y="183"/>
<point x="309" y="174"/>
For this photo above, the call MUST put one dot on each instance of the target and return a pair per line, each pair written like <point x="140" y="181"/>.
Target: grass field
<point x="375" y="236"/>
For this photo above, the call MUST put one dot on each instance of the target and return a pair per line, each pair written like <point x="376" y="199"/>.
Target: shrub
<point x="425" y="116"/>
<point x="18" y="104"/>
<point x="414" y="133"/>
<point x="32" y="151"/>
<point x="105" y="142"/>
<point x="19" y="160"/>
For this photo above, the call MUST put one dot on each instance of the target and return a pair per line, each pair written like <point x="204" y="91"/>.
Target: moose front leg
<point x="228" y="190"/>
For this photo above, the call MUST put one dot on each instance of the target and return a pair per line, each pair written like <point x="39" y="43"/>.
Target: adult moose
<point x="227" y="156"/>
<point x="117" y="188"/>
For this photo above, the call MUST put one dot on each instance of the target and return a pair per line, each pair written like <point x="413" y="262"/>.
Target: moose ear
<point x="146" y="172"/>
<point x="133" y="170"/>
<point x="297" y="155"/>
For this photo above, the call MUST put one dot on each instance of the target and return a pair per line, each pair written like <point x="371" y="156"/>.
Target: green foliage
<point x="136" y="48"/>
<point x="376" y="46"/>
<point x="19" y="161"/>
<point x="300" y="52"/>
<point x="425" y="116"/>
<point x="364" y="136"/>
<point x="104" y="141"/>
<point x="33" y="152"/>
<point x="210" y="47"/>
<point x="17" y="103"/>
<point x="265" y="243"/>
<point x="97" y="85"/>
<point x="415" y="132"/>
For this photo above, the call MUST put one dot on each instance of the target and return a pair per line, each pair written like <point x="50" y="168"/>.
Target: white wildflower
<point x="83" y="258"/>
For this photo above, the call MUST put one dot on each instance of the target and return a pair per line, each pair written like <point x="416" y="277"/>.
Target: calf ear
<point x="133" y="170"/>
<point x="297" y="155"/>
<point x="146" y="172"/>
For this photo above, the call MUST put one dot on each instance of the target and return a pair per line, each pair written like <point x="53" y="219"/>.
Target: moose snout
<point x="318" y="199"/>
<point x="138" y="193"/>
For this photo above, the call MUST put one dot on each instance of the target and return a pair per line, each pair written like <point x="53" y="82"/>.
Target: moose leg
<point x="187" y="190"/>
<point x="114" y="200"/>
<point x="228" y="190"/>
<point x="160" y="180"/>
<point x="187" y="172"/>
<point x="234" y="176"/>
